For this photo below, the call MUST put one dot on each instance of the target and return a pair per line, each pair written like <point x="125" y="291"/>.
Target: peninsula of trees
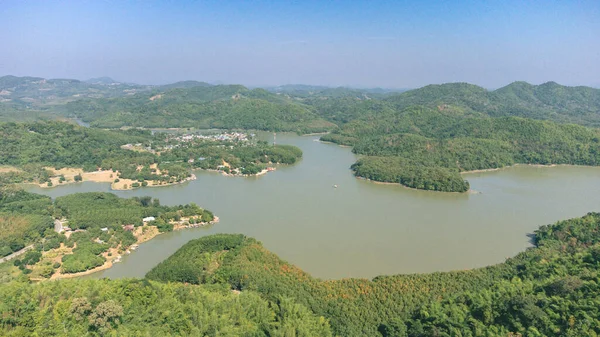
<point x="82" y="231"/>
<point x="428" y="148"/>
<point x="38" y="150"/>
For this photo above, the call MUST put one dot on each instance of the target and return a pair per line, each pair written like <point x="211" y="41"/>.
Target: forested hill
<point x="221" y="106"/>
<point x="549" y="290"/>
<point x="551" y="101"/>
<point x="426" y="148"/>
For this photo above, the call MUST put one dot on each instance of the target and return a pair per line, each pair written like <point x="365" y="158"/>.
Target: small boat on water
<point x="334" y="186"/>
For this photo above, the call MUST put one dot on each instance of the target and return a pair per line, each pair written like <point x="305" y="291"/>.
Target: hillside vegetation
<point x="427" y="148"/>
<point x="223" y="106"/>
<point x="94" y="227"/>
<point x="37" y="145"/>
<point x="548" y="101"/>
<point x="549" y="290"/>
<point x="34" y="98"/>
<point x="143" y="308"/>
<point x="24" y="218"/>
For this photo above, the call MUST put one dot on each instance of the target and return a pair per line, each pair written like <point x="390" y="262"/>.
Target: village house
<point x="129" y="228"/>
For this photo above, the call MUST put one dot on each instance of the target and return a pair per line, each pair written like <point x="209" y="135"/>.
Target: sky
<point x="390" y="44"/>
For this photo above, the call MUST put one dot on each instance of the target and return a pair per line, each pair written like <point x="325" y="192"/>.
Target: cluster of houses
<point x="138" y="146"/>
<point x="228" y="136"/>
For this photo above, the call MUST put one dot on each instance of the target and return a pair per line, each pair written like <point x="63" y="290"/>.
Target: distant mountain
<point x="315" y="91"/>
<point x="37" y="90"/>
<point x="296" y="87"/>
<point x="14" y="81"/>
<point x="110" y="103"/>
<point x="101" y="80"/>
<point x="550" y="101"/>
<point x="33" y="98"/>
<point x="184" y="84"/>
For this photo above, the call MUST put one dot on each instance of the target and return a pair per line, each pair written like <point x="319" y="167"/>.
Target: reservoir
<point x="364" y="229"/>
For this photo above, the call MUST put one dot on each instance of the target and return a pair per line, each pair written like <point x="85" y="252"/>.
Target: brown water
<point x="363" y="229"/>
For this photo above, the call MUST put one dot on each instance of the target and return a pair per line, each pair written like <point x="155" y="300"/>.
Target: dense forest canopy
<point x="143" y="308"/>
<point x="62" y="144"/>
<point x="549" y="290"/>
<point x="24" y="218"/>
<point x="548" y="101"/>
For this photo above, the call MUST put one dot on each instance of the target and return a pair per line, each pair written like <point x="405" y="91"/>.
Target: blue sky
<point x="398" y="44"/>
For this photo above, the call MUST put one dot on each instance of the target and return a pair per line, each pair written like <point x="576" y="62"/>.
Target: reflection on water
<point x="363" y="229"/>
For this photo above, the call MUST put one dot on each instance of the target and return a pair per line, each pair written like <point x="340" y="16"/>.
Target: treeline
<point x="549" y="290"/>
<point x="426" y="148"/>
<point x="61" y="144"/>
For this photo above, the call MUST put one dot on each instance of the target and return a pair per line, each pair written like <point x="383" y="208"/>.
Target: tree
<point x="106" y="315"/>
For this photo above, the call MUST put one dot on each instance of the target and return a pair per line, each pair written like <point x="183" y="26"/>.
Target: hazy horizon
<point x="116" y="80"/>
<point x="393" y="45"/>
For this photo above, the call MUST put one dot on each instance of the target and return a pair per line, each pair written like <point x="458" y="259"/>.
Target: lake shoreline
<point x="517" y="165"/>
<point x="141" y="238"/>
<point x="223" y="173"/>
<point x="100" y="176"/>
<point x="470" y="191"/>
<point x="413" y="188"/>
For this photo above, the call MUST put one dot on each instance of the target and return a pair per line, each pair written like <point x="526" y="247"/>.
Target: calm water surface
<point x="363" y="229"/>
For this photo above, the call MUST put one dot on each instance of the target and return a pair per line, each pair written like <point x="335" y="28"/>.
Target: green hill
<point x="222" y="106"/>
<point x="184" y="84"/>
<point x="463" y="97"/>
<point x="550" y="101"/>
